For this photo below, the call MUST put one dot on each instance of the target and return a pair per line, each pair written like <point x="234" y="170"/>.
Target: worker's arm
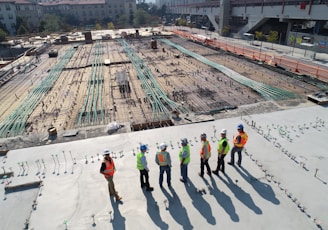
<point x="144" y="163"/>
<point x="102" y="168"/>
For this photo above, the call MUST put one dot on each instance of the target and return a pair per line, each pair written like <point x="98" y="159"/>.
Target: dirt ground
<point x="184" y="80"/>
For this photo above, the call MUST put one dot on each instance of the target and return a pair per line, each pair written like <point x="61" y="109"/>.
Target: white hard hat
<point x="106" y="151"/>
<point x="162" y="146"/>
<point x="223" y="131"/>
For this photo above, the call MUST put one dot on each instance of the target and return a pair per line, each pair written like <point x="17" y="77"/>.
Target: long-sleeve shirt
<point x="144" y="163"/>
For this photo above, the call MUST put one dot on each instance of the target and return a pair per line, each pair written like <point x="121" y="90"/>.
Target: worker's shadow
<point x="222" y="199"/>
<point x="199" y="202"/>
<point x="153" y="210"/>
<point x="240" y="194"/>
<point x="117" y="220"/>
<point x="177" y="211"/>
<point x="263" y="189"/>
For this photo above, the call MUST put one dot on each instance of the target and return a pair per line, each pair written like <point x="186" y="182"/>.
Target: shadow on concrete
<point x="177" y="211"/>
<point x="223" y="199"/>
<point x="153" y="210"/>
<point x="199" y="202"/>
<point x="241" y="195"/>
<point x="117" y="220"/>
<point x="263" y="189"/>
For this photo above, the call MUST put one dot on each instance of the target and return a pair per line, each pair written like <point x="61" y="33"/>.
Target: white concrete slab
<point x="275" y="189"/>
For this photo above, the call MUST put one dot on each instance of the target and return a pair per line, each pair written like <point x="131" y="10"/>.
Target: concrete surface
<point x="276" y="187"/>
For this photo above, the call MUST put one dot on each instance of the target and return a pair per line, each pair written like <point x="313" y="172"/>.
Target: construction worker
<point x="205" y="154"/>
<point x="108" y="170"/>
<point x="184" y="156"/>
<point x="163" y="159"/>
<point x="239" y="141"/>
<point x="144" y="170"/>
<point x="223" y="149"/>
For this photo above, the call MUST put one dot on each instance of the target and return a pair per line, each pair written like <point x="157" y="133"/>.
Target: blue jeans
<point x="238" y="150"/>
<point x="184" y="171"/>
<point x="163" y="169"/>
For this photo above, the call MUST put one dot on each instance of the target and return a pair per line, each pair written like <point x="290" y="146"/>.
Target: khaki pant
<point x="111" y="186"/>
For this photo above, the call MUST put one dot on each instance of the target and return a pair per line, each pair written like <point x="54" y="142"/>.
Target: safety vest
<point x="205" y="152"/>
<point x="220" y="146"/>
<point x="162" y="158"/>
<point x="110" y="168"/>
<point x="187" y="159"/>
<point x="139" y="163"/>
<point x="243" y="140"/>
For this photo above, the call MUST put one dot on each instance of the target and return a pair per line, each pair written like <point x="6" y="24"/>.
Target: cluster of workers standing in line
<point x="163" y="160"/>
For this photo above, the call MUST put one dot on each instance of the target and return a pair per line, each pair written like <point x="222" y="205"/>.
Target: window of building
<point x="7" y="7"/>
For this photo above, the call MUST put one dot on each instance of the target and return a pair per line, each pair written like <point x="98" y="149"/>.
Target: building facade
<point x="83" y="11"/>
<point x="8" y="16"/>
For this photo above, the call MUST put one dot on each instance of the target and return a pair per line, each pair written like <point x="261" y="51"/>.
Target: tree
<point x="51" y="23"/>
<point x="122" y="20"/>
<point x="22" y="30"/>
<point x="258" y="35"/>
<point x="98" y="26"/>
<point x="21" y="24"/>
<point x="110" y="26"/>
<point x="141" y="18"/>
<point x="3" y="35"/>
<point x="273" y="37"/>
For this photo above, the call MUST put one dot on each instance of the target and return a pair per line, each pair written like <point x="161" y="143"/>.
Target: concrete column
<point x="224" y="15"/>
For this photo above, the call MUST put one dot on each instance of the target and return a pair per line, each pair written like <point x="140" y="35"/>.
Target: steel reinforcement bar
<point x="93" y="106"/>
<point x="15" y="123"/>
<point x="267" y="91"/>
<point x="161" y="105"/>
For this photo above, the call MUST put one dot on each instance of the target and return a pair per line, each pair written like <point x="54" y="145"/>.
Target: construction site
<point x="143" y="81"/>
<point x="57" y="106"/>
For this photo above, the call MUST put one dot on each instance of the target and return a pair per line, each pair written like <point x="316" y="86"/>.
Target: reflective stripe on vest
<point x="162" y="158"/>
<point x="243" y="139"/>
<point x="206" y="150"/>
<point x="109" y="171"/>
<point x="220" y="146"/>
<point x="187" y="159"/>
<point x="139" y="163"/>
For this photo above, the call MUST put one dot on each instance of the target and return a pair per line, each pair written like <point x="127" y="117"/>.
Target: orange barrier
<point x="268" y="58"/>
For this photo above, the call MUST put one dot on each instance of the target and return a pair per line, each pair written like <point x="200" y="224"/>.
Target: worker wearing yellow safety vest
<point x="108" y="170"/>
<point x="223" y="149"/>
<point x="239" y="141"/>
<point x="184" y="157"/>
<point x="205" y="154"/>
<point x="143" y="168"/>
<point x="163" y="159"/>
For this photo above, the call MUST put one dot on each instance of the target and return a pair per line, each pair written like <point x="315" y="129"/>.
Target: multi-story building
<point x="29" y="11"/>
<point x="84" y="11"/>
<point x="8" y="15"/>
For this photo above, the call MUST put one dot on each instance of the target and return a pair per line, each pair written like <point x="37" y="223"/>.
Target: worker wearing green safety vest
<point x="223" y="149"/>
<point x="143" y="168"/>
<point x="184" y="156"/>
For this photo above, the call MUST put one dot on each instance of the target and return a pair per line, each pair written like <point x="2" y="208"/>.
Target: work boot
<point x="150" y="189"/>
<point x="215" y="172"/>
<point x="230" y="163"/>
<point x="199" y="174"/>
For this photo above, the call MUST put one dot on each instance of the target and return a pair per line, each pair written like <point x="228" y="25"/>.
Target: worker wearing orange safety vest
<point x="205" y="154"/>
<point x="163" y="159"/>
<point x="223" y="149"/>
<point x="108" y="170"/>
<point x="239" y="141"/>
